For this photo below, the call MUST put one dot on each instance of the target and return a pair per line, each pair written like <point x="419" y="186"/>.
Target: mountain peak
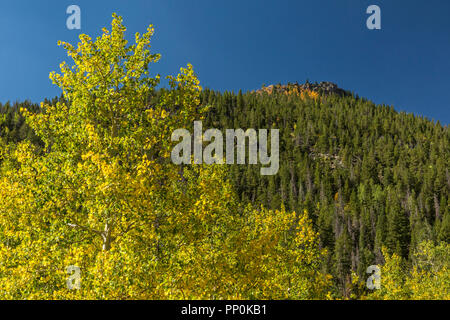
<point x="324" y="88"/>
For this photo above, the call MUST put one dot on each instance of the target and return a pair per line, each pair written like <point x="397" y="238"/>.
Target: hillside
<point x="369" y="176"/>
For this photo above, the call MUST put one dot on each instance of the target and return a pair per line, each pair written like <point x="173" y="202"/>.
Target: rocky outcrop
<point x="323" y="88"/>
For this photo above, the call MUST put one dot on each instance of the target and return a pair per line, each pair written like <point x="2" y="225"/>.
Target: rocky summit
<point x="324" y="88"/>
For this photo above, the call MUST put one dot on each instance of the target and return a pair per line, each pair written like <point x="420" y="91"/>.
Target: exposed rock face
<point x="323" y="88"/>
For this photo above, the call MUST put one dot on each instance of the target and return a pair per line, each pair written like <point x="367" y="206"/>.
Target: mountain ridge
<point x="323" y="88"/>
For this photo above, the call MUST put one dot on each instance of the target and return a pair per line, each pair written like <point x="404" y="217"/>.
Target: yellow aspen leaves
<point x="104" y="196"/>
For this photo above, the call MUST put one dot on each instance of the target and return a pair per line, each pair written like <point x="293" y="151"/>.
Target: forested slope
<point x="368" y="175"/>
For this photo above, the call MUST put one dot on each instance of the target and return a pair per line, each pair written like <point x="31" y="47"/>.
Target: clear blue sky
<point x="243" y="44"/>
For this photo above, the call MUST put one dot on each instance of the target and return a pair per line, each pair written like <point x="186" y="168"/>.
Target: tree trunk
<point x="106" y="238"/>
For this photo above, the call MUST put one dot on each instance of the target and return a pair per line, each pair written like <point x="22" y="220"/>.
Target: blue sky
<point x="243" y="44"/>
